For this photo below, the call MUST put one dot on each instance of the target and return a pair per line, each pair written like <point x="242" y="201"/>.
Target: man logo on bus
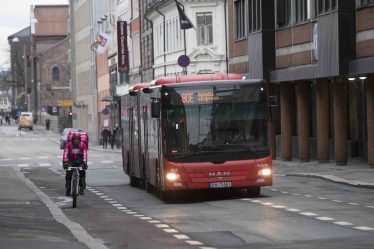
<point x="219" y="174"/>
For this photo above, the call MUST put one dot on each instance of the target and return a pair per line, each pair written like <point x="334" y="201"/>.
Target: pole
<point x="185" y="51"/>
<point x="227" y="58"/>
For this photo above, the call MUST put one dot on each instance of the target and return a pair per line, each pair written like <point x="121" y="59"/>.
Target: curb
<point x="336" y="179"/>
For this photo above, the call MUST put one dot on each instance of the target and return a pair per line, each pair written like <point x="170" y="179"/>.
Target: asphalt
<point x="15" y="192"/>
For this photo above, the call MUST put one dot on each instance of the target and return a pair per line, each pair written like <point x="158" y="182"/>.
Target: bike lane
<point x="104" y="223"/>
<point x="25" y="221"/>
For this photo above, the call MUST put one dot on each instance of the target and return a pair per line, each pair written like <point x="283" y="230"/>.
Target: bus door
<point x="130" y="152"/>
<point x="144" y="139"/>
<point x="136" y="155"/>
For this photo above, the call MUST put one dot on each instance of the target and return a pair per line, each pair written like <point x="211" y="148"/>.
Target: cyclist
<point x="75" y="155"/>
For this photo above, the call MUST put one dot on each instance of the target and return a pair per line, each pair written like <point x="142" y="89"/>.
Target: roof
<point x="196" y="78"/>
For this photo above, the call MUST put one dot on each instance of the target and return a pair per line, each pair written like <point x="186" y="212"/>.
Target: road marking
<point x="343" y="223"/>
<point x="104" y="196"/>
<point x="139" y="215"/>
<point x="131" y="212"/>
<point x="324" y="218"/>
<point x="267" y="203"/>
<point x="279" y="206"/>
<point x="59" y="156"/>
<point x="322" y="198"/>
<point x="122" y="208"/>
<point x="370" y="206"/>
<point x="162" y="225"/>
<point x="75" y="228"/>
<point x="295" y="194"/>
<point x="364" y="228"/>
<point x="111" y="202"/>
<point x="284" y="192"/>
<point x="24" y="158"/>
<point x="145" y="218"/>
<point x="204" y="247"/>
<point x="171" y="230"/>
<point x="117" y="205"/>
<point x="108" y="161"/>
<point x="354" y="204"/>
<point x="108" y="199"/>
<point x="44" y="164"/>
<point x="274" y="189"/>
<point x="43" y="157"/>
<point x="293" y="210"/>
<point x="194" y="242"/>
<point x="154" y="221"/>
<point x="6" y="159"/>
<point x="257" y="201"/>
<point x="99" y="194"/>
<point x="308" y="214"/>
<point x="89" y="163"/>
<point x="95" y="191"/>
<point x="309" y="196"/>
<point x="181" y="236"/>
<point x="23" y="165"/>
<point x="336" y="201"/>
<point x="245" y="199"/>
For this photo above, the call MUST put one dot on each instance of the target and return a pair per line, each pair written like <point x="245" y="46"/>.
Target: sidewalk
<point x="357" y="173"/>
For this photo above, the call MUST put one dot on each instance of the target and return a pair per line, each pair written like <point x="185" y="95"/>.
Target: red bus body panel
<point x="196" y="78"/>
<point x="241" y="174"/>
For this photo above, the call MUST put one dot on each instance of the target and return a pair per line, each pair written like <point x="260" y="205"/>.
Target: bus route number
<point x="187" y="98"/>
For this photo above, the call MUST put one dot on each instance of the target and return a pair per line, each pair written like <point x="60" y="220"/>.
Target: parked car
<point x="25" y="121"/>
<point x="64" y="136"/>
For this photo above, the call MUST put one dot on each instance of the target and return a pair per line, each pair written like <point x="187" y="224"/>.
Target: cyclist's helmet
<point x="76" y="138"/>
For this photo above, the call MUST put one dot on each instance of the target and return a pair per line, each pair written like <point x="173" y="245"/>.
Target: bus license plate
<point x="219" y="184"/>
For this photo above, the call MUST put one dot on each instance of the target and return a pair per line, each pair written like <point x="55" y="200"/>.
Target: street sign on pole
<point x="184" y="60"/>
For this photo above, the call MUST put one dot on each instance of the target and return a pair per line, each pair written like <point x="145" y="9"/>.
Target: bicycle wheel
<point x="74" y="191"/>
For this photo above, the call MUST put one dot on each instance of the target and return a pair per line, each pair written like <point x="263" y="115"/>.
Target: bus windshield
<point x="215" y="123"/>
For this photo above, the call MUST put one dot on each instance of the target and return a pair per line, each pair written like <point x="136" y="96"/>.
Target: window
<point x="324" y="6"/>
<point x="301" y="11"/>
<point x="364" y="2"/>
<point x="239" y="13"/>
<point x="55" y="73"/>
<point x="283" y="13"/>
<point x="204" y="28"/>
<point x="254" y="15"/>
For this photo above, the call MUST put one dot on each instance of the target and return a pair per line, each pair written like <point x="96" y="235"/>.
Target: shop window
<point x="55" y="73"/>
<point x="239" y="22"/>
<point x="254" y="15"/>
<point x="204" y="28"/>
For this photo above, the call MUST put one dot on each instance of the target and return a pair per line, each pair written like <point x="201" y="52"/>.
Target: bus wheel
<point x="253" y="191"/>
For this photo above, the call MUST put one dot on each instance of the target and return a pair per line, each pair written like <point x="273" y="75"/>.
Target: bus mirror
<point x="155" y="108"/>
<point x="147" y="90"/>
<point x="273" y="100"/>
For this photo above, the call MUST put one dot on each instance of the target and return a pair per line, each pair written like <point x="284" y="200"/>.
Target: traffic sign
<point x="184" y="60"/>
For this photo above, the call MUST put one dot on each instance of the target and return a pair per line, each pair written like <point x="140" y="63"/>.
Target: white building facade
<point x="205" y="45"/>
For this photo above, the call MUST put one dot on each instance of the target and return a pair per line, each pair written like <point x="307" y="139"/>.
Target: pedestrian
<point x="47" y="123"/>
<point x="104" y="136"/>
<point x="1" y="120"/>
<point x="112" y="138"/>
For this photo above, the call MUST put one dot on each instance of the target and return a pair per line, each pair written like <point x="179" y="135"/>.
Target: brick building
<point x="54" y="89"/>
<point x="319" y="57"/>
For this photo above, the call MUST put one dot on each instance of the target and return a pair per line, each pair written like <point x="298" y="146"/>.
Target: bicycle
<point x="74" y="187"/>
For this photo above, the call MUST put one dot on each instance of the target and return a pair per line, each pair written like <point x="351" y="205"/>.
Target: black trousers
<point x="82" y="179"/>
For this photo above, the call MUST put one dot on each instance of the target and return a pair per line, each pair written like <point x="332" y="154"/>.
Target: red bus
<point x="197" y="132"/>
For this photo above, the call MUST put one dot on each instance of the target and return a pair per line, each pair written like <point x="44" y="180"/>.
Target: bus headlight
<point x="172" y="176"/>
<point x="264" y="172"/>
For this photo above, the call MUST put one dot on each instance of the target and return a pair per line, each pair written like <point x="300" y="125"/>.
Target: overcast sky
<point x="15" y="16"/>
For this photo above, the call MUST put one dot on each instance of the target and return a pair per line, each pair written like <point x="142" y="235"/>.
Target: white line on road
<point x="76" y="229"/>
<point x="293" y="210"/>
<point x="194" y="242"/>
<point x="324" y="218"/>
<point x="43" y="157"/>
<point x="364" y="228"/>
<point x="170" y="230"/>
<point x="181" y="236"/>
<point x="24" y="158"/>
<point x="308" y="214"/>
<point x="44" y="164"/>
<point x="108" y="161"/>
<point x="162" y="225"/>
<point x="354" y="204"/>
<point x="343" y="223"/>
<point x="23" y="165"/>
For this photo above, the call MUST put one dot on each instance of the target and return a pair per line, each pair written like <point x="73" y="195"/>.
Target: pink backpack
<point x="83" y="135"/>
